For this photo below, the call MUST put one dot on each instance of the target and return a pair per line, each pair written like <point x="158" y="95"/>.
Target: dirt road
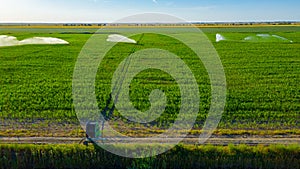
<point x="250" y="140"/>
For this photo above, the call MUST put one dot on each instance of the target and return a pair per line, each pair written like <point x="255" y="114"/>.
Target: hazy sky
<point x="111" y="10"/>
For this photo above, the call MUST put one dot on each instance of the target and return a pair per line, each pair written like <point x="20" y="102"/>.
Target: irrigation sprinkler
<point x="94" y="130"/>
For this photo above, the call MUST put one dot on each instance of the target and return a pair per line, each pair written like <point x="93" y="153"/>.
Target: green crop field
<point x="263" y="99"/>
<point x="262" y="81"/>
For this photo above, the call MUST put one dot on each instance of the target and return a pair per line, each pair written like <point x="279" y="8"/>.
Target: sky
<point x="107" y="11"/>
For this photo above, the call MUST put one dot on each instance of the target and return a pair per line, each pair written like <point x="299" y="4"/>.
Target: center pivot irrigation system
<point x="94" y="130"/>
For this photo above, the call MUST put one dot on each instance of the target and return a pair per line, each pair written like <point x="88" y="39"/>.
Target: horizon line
<point x="188" y="22"/>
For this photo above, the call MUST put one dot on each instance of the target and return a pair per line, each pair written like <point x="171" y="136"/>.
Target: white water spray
<point x="219" y="37"/>
<point x="13" y="41"/>
<point x="119" y="38"/>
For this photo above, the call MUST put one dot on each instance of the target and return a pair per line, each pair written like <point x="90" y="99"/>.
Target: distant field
<point x="262" y="80"/>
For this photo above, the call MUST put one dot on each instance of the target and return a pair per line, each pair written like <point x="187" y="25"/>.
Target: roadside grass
<point x="182" y="156"/>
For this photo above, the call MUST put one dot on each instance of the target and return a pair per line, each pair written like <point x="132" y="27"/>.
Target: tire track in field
<point x="119" y="83"/>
